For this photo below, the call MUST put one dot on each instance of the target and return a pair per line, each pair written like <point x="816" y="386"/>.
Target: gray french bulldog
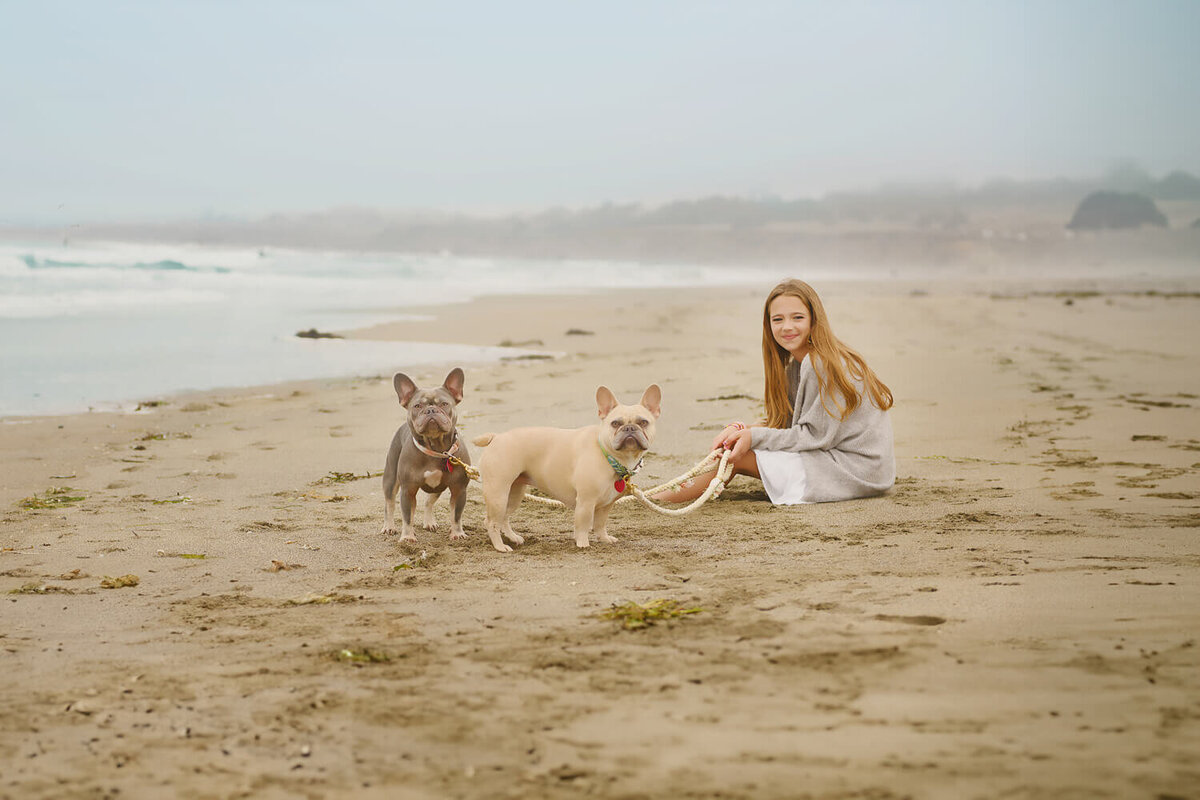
<point x="420" y="455"/>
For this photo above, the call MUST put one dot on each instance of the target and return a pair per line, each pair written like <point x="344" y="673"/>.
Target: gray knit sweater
<point x="843" y="459"/>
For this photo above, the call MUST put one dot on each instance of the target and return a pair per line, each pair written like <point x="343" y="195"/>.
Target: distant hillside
<point x="1179" y="185"/>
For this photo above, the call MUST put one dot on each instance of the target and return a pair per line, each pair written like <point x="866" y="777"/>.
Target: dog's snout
<point x="630" y="434"/>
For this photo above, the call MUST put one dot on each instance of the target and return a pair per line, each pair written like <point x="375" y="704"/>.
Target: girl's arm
<point x="820" y="433"/>
<point x="814" y="427"/>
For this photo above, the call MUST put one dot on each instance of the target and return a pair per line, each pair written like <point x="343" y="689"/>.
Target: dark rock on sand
<point x="313" y="333"/>
<point x="1101" y="210"/>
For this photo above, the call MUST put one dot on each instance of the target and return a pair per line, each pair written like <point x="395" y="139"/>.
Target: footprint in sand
<point x="1076" y="491"/>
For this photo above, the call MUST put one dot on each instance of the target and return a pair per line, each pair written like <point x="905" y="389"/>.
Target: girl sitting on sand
<point x="827" y="435"/>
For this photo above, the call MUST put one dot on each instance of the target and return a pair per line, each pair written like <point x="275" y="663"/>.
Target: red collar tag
<point x="619" y="485"/>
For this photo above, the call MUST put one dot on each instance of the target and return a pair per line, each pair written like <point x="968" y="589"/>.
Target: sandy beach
<point x="1017" y="618"/>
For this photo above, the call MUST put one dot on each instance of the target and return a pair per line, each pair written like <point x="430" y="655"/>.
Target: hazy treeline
<point x="906" y="223"/>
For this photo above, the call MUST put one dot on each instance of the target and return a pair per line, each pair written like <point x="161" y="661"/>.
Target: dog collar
<point x="623" y="472"/>
<point x="434" y="454"/>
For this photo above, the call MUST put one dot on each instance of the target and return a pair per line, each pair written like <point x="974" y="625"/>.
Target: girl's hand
<point x="725" y="437"/>
<point x="739" y="444"/>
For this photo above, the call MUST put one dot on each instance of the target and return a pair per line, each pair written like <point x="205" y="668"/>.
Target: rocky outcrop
<point x="1104" y="210"/>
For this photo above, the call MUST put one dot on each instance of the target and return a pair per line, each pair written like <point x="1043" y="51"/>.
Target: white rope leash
<point x="715" y="486"/>
<point x="714" y="489"/>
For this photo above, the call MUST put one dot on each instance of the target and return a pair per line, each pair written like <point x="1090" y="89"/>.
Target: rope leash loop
<point x="714" y="489"/>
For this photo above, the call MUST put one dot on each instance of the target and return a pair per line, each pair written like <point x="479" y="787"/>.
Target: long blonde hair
<point x="839" y="365"/>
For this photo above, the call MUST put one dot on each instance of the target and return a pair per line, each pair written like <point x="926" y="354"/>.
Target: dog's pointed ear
<point x="605" y="400"/>
<point x="652" y="399"/>
<point x="454" y="384"/>
<point x="405" y="388"/>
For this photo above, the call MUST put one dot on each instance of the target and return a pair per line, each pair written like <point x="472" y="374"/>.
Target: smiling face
<point x="791" y="324"/>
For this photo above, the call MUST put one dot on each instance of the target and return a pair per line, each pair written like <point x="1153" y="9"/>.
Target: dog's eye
<point x="643" y="422"/>
<point x="616" y="423"/>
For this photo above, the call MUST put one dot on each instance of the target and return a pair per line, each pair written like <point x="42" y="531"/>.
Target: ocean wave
<point x="24" y="256"/>
<point x="33" y="262"/>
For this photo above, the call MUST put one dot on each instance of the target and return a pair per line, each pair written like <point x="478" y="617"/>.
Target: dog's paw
<point x="502" y="548"/>
<point x="514" y="537"/>
<point x="431" y="526"/>
<point x="604" y="537"/>
<point x="389" y="530"/>
<point x="457" y="533"/>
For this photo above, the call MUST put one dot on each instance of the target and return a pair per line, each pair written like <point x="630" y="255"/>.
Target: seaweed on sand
<point x="634" y="616"/>
<point x="346" y="477"/>
<point x="362" y="655"/>
<point x="55" y="497"/>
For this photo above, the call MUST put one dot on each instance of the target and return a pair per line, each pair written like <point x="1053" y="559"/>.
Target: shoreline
<point x="436" y="324"/>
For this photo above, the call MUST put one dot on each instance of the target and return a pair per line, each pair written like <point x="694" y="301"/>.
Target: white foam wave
<point x="125" y="254"/>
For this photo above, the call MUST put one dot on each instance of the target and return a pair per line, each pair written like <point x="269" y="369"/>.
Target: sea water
<point x="105" y="325"/>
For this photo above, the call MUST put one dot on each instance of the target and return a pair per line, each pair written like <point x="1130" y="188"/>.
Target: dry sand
<point x="1018" y="618"/>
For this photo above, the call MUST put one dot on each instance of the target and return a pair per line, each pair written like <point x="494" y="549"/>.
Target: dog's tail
<point x="484" y="440"/>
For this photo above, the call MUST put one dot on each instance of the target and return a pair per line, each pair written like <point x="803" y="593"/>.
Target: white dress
<point x="782" y="474"/>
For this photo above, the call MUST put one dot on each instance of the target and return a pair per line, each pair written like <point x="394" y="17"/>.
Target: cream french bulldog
<point x="585" y="468"/>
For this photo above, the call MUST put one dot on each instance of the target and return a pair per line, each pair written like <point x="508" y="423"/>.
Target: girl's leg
<point x="694" y="487"/>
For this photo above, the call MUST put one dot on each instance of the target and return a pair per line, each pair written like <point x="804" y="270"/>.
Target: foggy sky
<point x="155" y="110"/>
